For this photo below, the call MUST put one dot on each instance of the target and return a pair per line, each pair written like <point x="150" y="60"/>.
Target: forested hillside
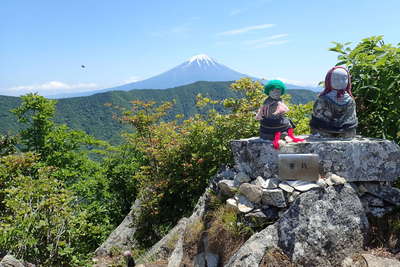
<point x="91" y="115"/>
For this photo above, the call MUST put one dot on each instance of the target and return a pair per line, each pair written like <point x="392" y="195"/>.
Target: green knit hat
<point x="274" y="84"/>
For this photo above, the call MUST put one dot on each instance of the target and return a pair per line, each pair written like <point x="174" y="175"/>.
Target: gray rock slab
<point x="274" y="197"/>
<point x="252" y="192"/>
<point x="10" y="261"/>
<point x="355" y="159"/>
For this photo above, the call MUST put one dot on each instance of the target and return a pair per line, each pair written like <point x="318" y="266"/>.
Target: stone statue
<point x="273" y="122"/>
<point x="334" y="112"/>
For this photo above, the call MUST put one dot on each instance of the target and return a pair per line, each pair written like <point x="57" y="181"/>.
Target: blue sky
<point x="43" y="43"/>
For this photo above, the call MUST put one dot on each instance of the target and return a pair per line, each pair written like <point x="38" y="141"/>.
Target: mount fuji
<point x="197" y="68"/>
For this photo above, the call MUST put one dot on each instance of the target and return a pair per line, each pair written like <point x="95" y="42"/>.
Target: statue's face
<point x="339" y="79"/>
<point x="275" y="93"/>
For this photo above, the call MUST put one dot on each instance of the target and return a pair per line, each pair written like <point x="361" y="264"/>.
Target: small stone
<point x="286" y="187"/>
<point x="271" y="183"/>
<point x="274" y="197"/>
<point x="292" y="197"/>
<point x="329" y="182"/>
<point x="302" y="186"/>
<point x="252" y="192"/>
<point x="260" y="182"/>
<point x="322" y="183"/>
<point x="232" y="203"/>
<point x="227" y="187"/>
<point x="241" y="178"/>
<point x="244" y="205"/>
<point x="336" y="179"/>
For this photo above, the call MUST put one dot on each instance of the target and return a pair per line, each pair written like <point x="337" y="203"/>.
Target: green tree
<point x="37" y="113"/>
<point x="375" y="71"/>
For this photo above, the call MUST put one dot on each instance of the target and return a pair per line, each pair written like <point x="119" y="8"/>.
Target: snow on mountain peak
<point x="202" y="58"/>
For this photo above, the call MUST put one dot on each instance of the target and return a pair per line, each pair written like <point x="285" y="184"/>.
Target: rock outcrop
<point x="122" y="237"/>
<point x="299" y="223"/>
<point x="356" y="159"/>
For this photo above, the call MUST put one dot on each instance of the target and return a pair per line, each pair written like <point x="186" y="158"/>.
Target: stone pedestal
<point x="355" y="159"/>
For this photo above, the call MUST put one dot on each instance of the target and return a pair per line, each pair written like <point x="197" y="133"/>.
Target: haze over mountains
<point x="197" y="68"/>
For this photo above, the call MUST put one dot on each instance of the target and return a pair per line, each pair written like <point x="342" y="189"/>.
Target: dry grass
<point x="384" y="232"/>
<point x="225" y="236"/>
<point x="275" y="258"/>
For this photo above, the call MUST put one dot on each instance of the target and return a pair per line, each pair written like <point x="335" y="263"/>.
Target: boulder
<point x="320" y="228"/>
<point x="371" y="159"/>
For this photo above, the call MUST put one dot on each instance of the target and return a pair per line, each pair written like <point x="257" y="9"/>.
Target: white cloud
<point x="266" y="39"/>
<point x="49" y="88"/>
<point x="131" y="79"/>
<point x="247" y="29"/>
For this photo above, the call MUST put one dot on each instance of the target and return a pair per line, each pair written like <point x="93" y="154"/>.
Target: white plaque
<point x="299" y="167"/>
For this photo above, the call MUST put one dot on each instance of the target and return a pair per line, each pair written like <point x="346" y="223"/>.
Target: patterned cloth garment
<point x="272" y="123"/>
<point x="333" y="115"/>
